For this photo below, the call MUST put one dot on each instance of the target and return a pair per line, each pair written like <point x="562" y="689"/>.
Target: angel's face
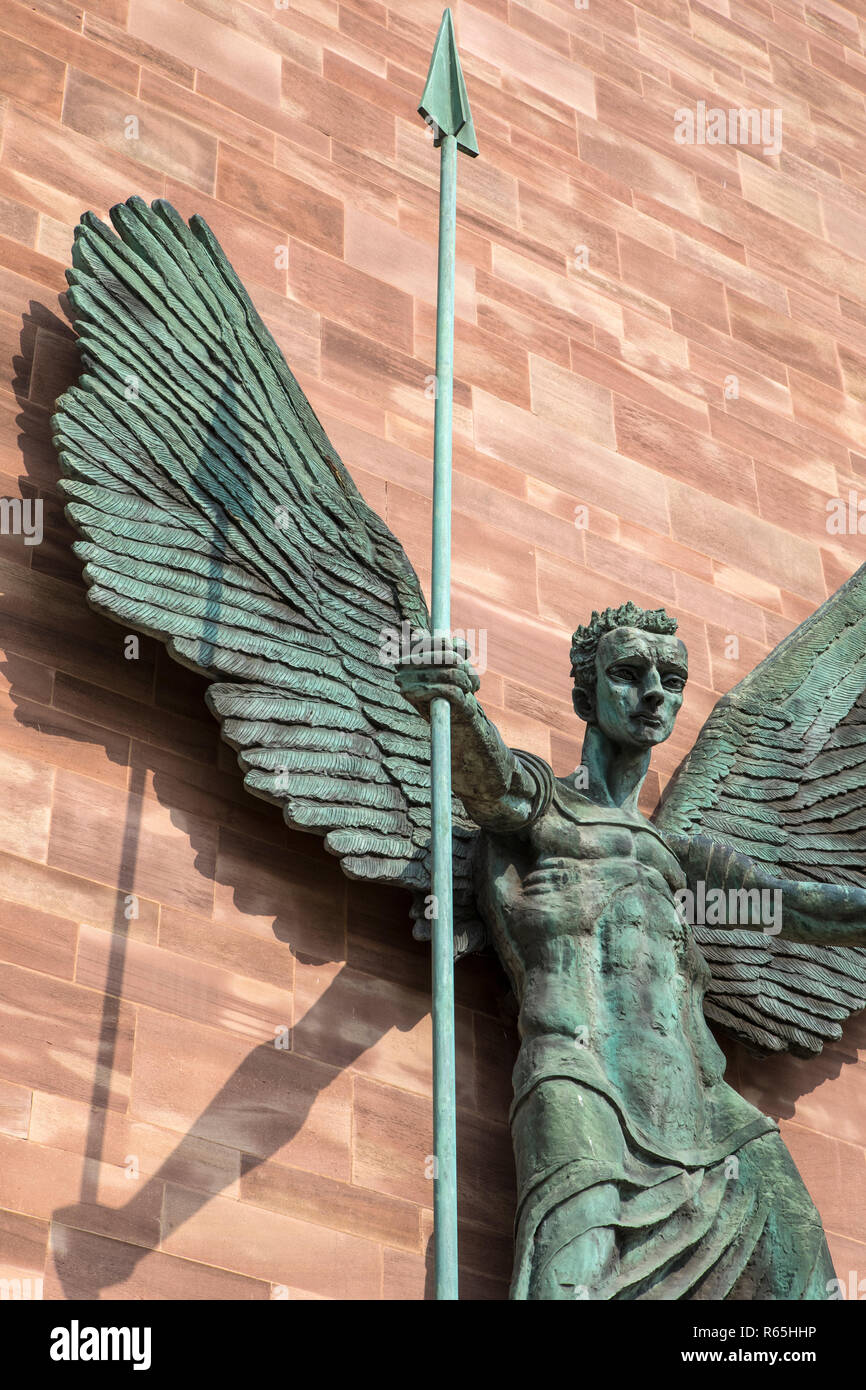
<point x="640" y="678"/>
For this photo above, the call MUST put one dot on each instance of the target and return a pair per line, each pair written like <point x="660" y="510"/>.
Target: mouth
<point x="649" y="721"/>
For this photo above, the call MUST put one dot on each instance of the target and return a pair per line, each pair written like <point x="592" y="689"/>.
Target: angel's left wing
<point x="778" y="772"/>
<point x="216" y="516"/>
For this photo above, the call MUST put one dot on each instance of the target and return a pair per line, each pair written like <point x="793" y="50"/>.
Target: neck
<point x="615" y="774"/>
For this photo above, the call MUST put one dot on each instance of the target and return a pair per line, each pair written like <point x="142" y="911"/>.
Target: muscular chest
<point x="570" y="873"/>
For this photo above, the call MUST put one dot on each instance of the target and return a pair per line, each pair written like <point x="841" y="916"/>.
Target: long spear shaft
<point x="444" y="1073"/>
<point x="445" y="106"/>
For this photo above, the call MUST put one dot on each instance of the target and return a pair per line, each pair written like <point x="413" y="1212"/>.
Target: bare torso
<point x="581" y="910"/>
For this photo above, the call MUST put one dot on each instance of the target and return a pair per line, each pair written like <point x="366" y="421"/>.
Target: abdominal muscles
<point x="626" y="987"/>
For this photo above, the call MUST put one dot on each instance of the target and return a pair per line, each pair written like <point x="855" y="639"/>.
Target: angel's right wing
<point x="216" y="516"/>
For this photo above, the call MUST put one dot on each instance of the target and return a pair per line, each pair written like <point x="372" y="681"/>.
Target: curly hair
<point x="584" y="643"/>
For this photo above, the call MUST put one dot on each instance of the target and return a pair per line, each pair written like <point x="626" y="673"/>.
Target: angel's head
<point x="629" y="672"/>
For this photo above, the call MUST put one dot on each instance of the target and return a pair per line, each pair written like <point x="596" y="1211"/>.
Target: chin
<point x="643" y="737"/>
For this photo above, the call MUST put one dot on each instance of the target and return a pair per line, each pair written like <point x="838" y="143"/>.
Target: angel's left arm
<point x="825" y="914"/>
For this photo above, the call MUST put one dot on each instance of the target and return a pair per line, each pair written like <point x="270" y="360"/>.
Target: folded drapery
<point x="620" y="1222"/>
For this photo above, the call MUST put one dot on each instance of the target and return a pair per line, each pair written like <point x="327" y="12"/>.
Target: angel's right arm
<point x="500" y="788"/>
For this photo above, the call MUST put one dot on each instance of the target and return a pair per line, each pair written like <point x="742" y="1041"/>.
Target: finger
<point x="433" y="651"/>
<point x="413" y="678"/>
<point x="427" y="693"/>
<point x="430" y="658"/>
<point x="474" y="678"/>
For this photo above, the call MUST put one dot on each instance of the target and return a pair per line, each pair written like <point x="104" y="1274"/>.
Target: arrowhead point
<point x="444" y="102"/>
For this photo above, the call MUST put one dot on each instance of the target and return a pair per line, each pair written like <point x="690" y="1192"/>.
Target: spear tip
<point x="444" y="102"/>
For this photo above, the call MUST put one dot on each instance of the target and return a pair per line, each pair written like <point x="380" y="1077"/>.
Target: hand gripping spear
<point x="445" y="107"/>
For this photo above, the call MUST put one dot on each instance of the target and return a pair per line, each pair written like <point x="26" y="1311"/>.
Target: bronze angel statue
<point x="215" y="515"/>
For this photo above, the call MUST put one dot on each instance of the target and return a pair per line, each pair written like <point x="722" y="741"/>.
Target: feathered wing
<point x="779" y="772"/>
<point x="216" y="515"/>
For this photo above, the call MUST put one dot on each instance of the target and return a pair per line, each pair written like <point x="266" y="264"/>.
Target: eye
<point x="673" y="683"/>
<point x="624" y="673"/>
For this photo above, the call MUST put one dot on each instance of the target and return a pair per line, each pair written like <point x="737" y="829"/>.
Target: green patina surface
<point x="215" y="515"/>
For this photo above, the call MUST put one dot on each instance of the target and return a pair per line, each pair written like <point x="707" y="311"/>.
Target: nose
<point x="653" y="694"/>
